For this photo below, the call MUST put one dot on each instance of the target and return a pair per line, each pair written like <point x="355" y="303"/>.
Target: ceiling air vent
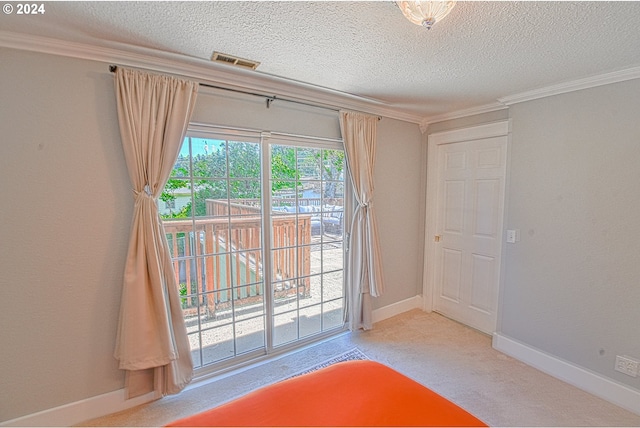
<point x="234" y="60"/>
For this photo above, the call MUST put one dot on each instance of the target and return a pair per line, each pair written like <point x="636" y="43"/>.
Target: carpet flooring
<point x="453" y="360"/>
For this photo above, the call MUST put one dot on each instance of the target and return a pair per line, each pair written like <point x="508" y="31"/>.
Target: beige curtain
<point x="152" y="344"/>
<point x="359" y="133"/>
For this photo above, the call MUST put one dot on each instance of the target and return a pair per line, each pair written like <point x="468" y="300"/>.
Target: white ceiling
<point x="481" y="52"/>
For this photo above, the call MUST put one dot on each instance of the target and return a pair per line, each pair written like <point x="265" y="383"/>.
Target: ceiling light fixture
<point x="425" y="13"/>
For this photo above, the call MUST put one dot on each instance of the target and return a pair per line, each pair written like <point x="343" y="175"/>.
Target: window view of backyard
<point x="255" y="271"/>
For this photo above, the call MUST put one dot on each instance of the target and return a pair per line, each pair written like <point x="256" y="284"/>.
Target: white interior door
<point x="467" y="232"/>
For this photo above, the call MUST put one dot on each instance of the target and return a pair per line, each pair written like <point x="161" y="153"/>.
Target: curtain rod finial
<point x="113" y="68"/>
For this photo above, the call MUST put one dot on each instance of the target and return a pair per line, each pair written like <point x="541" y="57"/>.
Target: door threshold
<point x="223" y="373"/>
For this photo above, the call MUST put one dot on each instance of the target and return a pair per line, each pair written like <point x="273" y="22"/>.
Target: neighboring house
<point x="182" y="200"/>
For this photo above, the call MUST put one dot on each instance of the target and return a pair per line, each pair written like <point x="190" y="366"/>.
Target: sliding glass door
<point x="255" y="226"/>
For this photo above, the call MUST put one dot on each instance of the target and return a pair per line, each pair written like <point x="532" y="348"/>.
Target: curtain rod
<point x="269" y="98"/>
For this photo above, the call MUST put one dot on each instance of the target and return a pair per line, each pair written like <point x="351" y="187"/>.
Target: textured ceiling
<point x="481" y="52"/>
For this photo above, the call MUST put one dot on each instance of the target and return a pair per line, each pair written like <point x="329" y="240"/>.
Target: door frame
<point x="494" y="129"/>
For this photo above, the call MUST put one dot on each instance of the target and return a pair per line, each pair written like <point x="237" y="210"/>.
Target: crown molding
<point x="574" y="85"/>
<point x="487" y="108"/>
<point x="205" y="71"/>
<point x="505" y="102"/>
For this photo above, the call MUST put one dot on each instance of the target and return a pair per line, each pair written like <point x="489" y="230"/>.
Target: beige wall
<point x="66" y="212"/>
<point x="571" y="286"/>
<point x="399" y="204"/>
<point x="232" y="109"/>
<point x="66" y="207"/>
<point x="467" y="121"/>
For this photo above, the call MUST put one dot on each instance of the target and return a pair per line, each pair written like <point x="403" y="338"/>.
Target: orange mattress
<point x="352" y="393"/>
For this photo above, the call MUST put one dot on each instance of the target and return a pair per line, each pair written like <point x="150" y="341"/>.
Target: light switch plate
<point x="513" y="236"/>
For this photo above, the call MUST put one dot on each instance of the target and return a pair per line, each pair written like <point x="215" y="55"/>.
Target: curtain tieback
<point x="363" y="207"/>
<point x="360" y="206"/>
<point x="145" y="192"/>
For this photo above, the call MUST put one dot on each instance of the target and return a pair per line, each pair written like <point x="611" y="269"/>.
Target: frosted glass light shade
<point x="425" y="13"/>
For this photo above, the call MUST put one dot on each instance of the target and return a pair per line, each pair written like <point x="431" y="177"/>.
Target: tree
<point x="284" y="174"/>
<point x="332" y="169"/>
<point x="211" y="180"/>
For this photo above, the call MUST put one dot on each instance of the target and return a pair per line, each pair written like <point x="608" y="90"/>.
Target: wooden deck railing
<point x="284" y="202"/>
<point x="222" y="257"/>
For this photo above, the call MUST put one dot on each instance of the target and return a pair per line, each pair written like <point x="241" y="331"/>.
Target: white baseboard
<point x="397" y="308"/>
<point x="80" y="411"/>
<point x="607" y="389"/>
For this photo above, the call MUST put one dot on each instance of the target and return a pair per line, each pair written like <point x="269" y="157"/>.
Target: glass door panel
<point x="213" y="224"/>
<point x="307" y="258"/>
